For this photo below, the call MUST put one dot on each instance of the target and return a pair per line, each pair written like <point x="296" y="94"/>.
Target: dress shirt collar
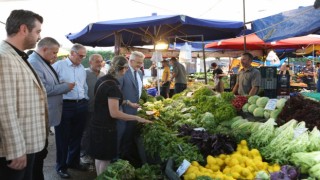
<point x="70" y="63"/>
<point x="23" y="55"/>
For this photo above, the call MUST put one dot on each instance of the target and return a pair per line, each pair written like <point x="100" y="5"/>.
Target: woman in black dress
<point x="108" y="98"/>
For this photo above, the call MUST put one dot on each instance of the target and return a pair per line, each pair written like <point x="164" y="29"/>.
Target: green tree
<point x="105" y="54"/>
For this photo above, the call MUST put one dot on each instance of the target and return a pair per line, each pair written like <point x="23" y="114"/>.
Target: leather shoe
<point x="79" y="167"/>
<point x="64" y="174"/>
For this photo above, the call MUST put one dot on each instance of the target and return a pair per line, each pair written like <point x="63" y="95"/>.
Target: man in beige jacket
<point x="23" y="99"/>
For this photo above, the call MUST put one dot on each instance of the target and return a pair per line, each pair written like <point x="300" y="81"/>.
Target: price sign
<point x="183" y="167"/>
<point x="271" y="105"/>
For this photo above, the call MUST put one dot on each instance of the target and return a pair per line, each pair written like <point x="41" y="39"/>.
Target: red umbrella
<point x="253" y="42"/>
<point x="297" y="42"/>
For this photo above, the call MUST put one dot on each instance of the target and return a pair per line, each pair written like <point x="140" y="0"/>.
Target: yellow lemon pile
<point x="241" y="164"/>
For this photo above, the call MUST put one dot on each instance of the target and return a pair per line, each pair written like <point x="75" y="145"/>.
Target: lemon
<point x="233" y="162"/>
<point x="219" y="162"/>
<point x="235" y="175"/>
<point x="245" y="172"/>
<point x="226" y="170"/>
<point x="192" y="169"/>
<point x="243" y="142"/>
<point x="237" y="168"/>
<point x="222" y="156"/>
<point x="192" y="176"/>
<point x="211" y="160"/>
<point x="195" y="163"/>
<point x="276" y="167"/>
<point x="215" y="168"/>
<point x="244" y="151"/>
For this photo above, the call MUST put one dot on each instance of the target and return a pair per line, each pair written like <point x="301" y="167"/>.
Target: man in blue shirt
<point x="75" y="106"/>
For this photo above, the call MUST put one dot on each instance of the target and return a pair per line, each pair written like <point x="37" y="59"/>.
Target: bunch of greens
<point x="149" y="172"/>
<point x="120" y="169"/>
<point x="160" y="137"/>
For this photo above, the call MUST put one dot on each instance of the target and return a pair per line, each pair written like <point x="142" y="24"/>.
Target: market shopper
<point x="40" y="60"/>
<point x="308" y="72"/>
<point x="165" y="80"/>
<point x="217" y="77"/>
<point x="75" y="106"/>
<point x="318" y="76"/>
<point x="179" y="73"/>
<point x="93" y="74"/>
<point x="248" y="78"/>
<point x="131" y="87"/>
<point x="23" y="100"/>
<point x="103" y="129"/>
<point x="153" y="69"/>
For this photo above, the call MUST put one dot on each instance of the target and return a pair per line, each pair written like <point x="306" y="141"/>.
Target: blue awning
<point x="298" y="22"/>
<point x="146" y="30"/>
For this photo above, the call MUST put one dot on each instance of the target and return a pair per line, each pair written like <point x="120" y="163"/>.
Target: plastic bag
<point x="185" y="53"/>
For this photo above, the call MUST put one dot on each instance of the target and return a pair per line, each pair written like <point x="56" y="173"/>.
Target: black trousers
<point x="7" y="173"/>
<point x="38" y="163"/>
<point x="179" y="87"/>
<point x="69" y="132"/>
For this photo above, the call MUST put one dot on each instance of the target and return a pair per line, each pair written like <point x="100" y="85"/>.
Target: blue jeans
<point x="68" y="134"/>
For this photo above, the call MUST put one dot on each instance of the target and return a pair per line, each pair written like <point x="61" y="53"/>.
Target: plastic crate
<point x="152" y="91"/>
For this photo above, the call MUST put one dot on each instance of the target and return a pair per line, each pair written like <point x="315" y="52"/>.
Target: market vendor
<point x="285" y="70"/>
<point x="248" y="78"/>
<point x="308" y="72"/>
<point x="165" y="80"/>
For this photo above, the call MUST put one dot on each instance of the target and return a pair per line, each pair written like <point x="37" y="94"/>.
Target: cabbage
<point x="266" y="114"/>
<point x="258" y="112"/>
<point x="315" y="171"/>
<point x="274" y="113"/>
<point x="262" y="175"/>
<point x="252" y="107"/>
<point x="305" y="160"/>
<point x="245" y="107"/>
<point x="253" y="99"/>
<point x="280" y="103"/>
<point x="262" y="101"/>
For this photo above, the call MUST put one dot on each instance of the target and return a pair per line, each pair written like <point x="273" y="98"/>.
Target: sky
<point x="62" y="17"/>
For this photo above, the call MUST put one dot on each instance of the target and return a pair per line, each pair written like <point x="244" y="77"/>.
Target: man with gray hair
<point x="93" y="74"/>
<point x="131" y="87"/>
<point x="74" y="111"/>
<point x="40" y="60"/>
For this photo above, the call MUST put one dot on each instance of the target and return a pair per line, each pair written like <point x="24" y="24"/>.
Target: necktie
<point x="135" y="76"/>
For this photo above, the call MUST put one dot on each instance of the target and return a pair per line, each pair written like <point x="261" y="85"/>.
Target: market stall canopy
<point x="147" y="30"/>
<point x="298" y="22"/>
<point x="253" y="42"/>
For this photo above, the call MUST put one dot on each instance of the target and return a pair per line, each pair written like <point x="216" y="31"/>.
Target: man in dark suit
<point x="131" y="87"/>
<point x="40" y="60"/>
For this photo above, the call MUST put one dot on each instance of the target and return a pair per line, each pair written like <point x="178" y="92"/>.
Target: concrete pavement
<point x="49" y="166"/>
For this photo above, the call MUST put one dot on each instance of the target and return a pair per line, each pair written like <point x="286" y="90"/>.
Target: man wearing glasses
<point x="131" y="88"/>
<point x="75" y="106"/>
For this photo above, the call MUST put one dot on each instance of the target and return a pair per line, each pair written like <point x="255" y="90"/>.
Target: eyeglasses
<point x="80" y="56"/>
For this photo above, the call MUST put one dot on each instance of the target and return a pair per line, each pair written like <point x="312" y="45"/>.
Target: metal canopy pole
<point x="244" y="27"/>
